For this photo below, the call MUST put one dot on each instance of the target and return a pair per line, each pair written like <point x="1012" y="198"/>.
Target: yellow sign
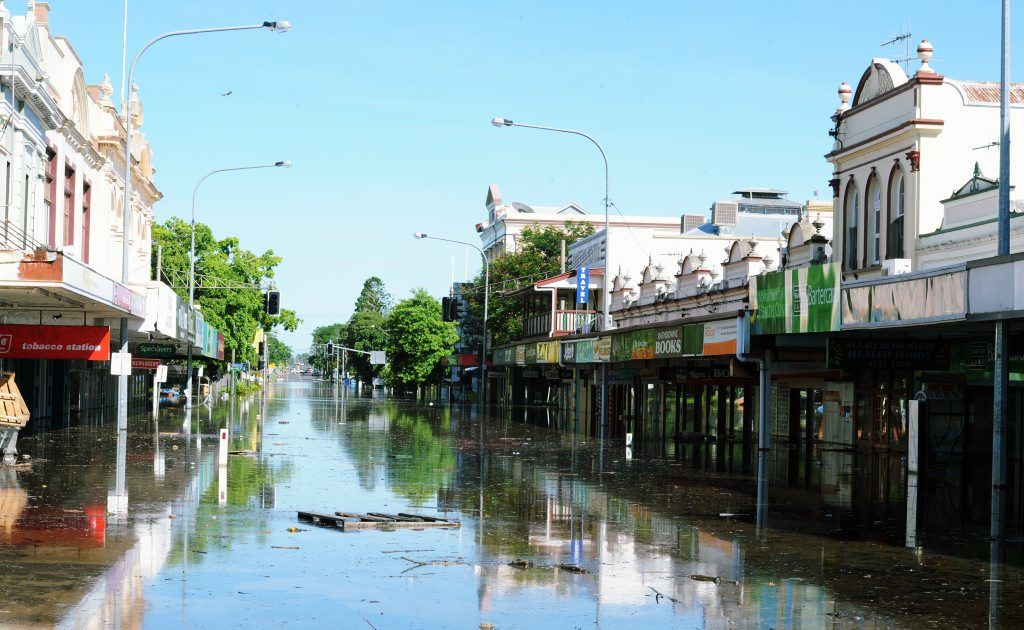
<point x="547" y="352"/>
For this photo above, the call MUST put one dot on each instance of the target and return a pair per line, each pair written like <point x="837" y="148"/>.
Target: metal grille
<point x="725" y="213"/>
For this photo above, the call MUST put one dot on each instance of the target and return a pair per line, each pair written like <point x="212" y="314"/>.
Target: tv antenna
<point x="904" y="38"/>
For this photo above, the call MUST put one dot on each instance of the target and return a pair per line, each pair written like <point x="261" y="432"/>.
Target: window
<point x="69" y="205"/>
<point x="897" y="208"/>
<point x="874" y="220"/>
<point x="49" y="197"/>
<point x="86" y="202"/>
<point x="850" y="211"/>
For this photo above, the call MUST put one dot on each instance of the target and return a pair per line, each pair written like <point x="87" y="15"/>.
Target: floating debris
<point x="283" y="547"/>
<point x="714" y="578"/>
<point x="375" y="520"/>
<point x="521" y="564"/>
<point x="572" y="568"/>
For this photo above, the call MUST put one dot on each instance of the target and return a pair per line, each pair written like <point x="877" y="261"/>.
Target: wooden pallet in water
<point x="350" y="521"/>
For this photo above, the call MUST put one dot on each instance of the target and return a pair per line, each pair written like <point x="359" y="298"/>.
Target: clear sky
<point x="384" y="108"/>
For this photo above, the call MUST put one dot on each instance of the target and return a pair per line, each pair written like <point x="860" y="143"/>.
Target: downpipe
<point x="764" y="379"/>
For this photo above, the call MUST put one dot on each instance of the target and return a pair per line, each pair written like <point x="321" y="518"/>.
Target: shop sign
<point x="906" y="301"/>
<point x="530" y="354"/>
<point x="165" y="350"/>
<point x="140" y="363"/>
<point x="547" y="352"/>
<point x="603" y="350"/>
<point x="882" y="354"/>
<point x="648" y="344"/>
<point x="183" y="329"/>
<point x="520" y="355"/>
<point x="505" y="356"/>
<point x="710" y="338"/>
<point x="569" y="352"/>
<point x="91" y="343"/>
<point x="804" y="300"/>
<point x="703" y="373"/>
<point x="122" y="297"/>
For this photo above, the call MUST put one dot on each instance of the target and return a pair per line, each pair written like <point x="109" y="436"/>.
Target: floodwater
<point x="194" y="544"/>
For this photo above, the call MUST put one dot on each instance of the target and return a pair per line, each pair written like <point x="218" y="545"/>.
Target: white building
<point x="913" y="161"/>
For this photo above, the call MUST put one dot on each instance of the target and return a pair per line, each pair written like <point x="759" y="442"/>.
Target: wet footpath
<point x="557" y="530"/>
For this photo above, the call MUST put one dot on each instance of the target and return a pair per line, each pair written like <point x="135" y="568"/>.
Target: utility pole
<point x="1001" y="384"/>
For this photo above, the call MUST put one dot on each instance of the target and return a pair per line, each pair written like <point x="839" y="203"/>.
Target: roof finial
<point x="977" y="170"/>
<point x="845" y="91"/>
<point x="924" y="53"/>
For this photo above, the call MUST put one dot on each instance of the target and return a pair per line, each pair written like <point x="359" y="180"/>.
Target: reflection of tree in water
<point x="250" y="481"/>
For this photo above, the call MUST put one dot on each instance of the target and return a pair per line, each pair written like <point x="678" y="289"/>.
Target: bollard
<point x="222" y="454"/>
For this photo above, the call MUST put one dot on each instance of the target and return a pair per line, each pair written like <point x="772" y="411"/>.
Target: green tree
<point x="366" y="328"/>
<point x="227" y="281"/>
<point x="337" y="333"/>
<point x="538" y="257"/>
<point x="417" y="340"/>
<point x="279" y="352"/>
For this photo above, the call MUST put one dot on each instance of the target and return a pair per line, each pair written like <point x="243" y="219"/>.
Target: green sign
<point x="658" y="343"/>
<point x="505" y="356"/>
<point x="164" y="350"/>
<point x="802" y="300"/>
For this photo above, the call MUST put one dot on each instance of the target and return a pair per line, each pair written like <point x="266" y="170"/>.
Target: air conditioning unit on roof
<point x="896" y="266"/>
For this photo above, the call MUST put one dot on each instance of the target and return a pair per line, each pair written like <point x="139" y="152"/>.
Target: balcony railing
<point x="537" y="325"/>
<point x="574" y="322"/>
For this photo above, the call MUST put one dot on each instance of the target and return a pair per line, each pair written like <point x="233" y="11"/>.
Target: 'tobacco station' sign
<point x="18" y="341"/>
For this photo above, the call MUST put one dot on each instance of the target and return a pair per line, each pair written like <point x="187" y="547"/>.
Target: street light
<point x="605" y="297"/>
<point x="122" y="381"/>
<point x="192" y="266"/>
<point x="487" y="290"/>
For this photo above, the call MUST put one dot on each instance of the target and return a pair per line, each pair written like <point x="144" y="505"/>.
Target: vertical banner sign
<point x="582" y="285"/>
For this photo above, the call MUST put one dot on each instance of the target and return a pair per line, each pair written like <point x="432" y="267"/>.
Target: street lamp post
<point x="122" y="381"/>
<point x="606" y="323"/>
<point x="487" y="292"/>
<point x="192" y="267"/>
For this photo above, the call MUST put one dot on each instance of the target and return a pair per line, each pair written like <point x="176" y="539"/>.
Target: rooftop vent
<point x="724" y="213"/>
<point x="692" y="221"/>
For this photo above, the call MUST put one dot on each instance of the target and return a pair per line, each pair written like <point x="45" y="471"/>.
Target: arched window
<point x="850" y="211"/>
<point x="874" y="223"/>
<point x="897" y="208"/>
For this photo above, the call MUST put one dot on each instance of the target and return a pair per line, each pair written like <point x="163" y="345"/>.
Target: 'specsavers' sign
<point x="91" y="343"/>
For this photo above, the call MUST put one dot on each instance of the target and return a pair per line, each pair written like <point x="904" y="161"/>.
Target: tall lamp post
<point x="606" y="323"/>
<point x="192" y="266"/>
<point x="122" y="381"/>
<point x="487" y="293"/>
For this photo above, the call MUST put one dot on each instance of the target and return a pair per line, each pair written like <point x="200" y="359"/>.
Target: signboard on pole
<point x="161" y="374"/>
<point x="18" y="341"/>
<point x="121" y="363"/>
<point x="582" y="285"/>
<point x="378" y="357"/>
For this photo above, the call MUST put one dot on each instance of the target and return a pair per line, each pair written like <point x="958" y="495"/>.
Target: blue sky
<point x="384" y="108"/>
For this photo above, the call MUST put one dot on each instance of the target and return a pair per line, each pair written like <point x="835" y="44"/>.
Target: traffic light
<point x="446" y="309"/>
<point x="461" y="306"/>
<point x="273" y="302"/>
<point x="330" y="348"/>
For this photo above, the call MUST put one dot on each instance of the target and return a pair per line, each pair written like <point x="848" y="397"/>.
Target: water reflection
<point x="811" y="540"/>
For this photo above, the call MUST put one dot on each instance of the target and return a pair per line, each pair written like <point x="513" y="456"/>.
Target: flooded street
<point x="639" y="540"/>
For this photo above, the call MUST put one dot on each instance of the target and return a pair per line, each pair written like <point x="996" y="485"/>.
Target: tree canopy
<point x="278" y="351"/>
<point x="228" y="278"/>
<point x="417" y="339"/>
<point x="538" y="257"/>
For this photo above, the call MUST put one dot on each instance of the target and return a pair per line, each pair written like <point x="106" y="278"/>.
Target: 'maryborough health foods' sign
<point x="91" y="343"/>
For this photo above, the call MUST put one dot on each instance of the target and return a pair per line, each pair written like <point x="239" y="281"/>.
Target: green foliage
<point x="538" y="257"/>
<point x="417" y="339"/>
<point x="226" y="276"/>
<point x="278" y="351"/>
<point x="373" y="298"/>
<point x="243" y="388"/>
<point x="363" y="331"/>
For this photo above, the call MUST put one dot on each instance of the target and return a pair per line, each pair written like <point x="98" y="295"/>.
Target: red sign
<point x="122" y="297"/>
<point x="18" y="341"/>
<point x="140" y="363"/>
